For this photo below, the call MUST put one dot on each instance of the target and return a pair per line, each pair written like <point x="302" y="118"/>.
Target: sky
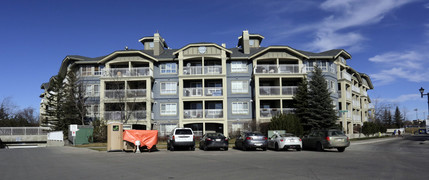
<point x="388" y="39"/>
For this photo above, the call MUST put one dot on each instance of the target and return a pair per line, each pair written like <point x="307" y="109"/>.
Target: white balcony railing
<point x="269" y="90"/>
<point x="288" y="110"/>
<point x="88" y="73"/>
<point x="127" y="72"/>
<point x="275" y="90"/>
<point x="348" y="95"/>
<point x="269" y="112"/>
<point x="190" y="92"/>
<point x="289" y="90"/>
<point x="213" y="91"/>
<point x="137" y="115"/>
<point x="277" y="69"/>
<point x="193" y="70"/>
<point x="214" y="113"/>
<point x="355" y="89"/>
<point x="347" y="76"/>
<point x="192" y="113"/>
<point x="212" y="69"/>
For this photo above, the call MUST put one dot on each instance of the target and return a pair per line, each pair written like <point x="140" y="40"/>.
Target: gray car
<point x="326" y="139"/>
<point x="251" y="140"/>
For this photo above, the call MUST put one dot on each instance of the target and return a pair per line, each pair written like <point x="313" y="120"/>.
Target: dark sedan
<point x="251" y="140"/>
<point x="214" y="141"/>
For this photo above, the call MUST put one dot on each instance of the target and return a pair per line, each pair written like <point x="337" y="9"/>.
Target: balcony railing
<point x="275" y="90"/>
<point x="288" y="110"/>
<point x="365" y="93"/>
<point x="198" y="70"/>
<point x="192" y="113"/>
<point x="114" y="115"/>
<point x="348" y="95"/>
<point x="355" y="89"/>
<point x="191" y="92"/>
<point x="127" y="72"/>
<point x="214" y="113"/>
<point x="345" y="75"/>
<point x="278" y="69"/>
<point x="269" y="112"/>
<point x="212" y="69"/>
<point x="137" y="115"/>
<point x="88" y="73"/>
<point x="213" y="91"/>
<point x="114" y="94"/>
<point x="136" y="93"/>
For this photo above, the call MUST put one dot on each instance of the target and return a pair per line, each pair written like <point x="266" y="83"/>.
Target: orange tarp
<point x="147" y="138"/>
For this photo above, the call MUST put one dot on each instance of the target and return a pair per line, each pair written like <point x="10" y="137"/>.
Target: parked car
<point x="284" y="142"/>
<point x="251" y="140"/>
<point x="181" y="137"/>
<point x="214" y="141"/>
<point x="326" y="139"/>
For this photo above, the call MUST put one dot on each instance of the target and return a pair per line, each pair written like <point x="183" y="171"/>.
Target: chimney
<point x="245" y="45"/>
<point x="158" y="47"/>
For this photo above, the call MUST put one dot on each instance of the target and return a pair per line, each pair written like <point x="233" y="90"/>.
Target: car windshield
<point x="254" y="134"/>
<point x="214" y="135"/>
<point x="287" y="135"/>
<point x="335" y="133"/>
<point x="183" y="131"/>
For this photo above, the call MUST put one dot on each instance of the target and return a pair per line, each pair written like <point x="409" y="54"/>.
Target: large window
<point x="238" y="66"/>
<point x="239" y="87"/>
<point x="168" y="68"/>
<point x="240" y="108"/>
<point x="168" y="109"/>
<point x="92" y="90"/>
<point x="168" y="87"/>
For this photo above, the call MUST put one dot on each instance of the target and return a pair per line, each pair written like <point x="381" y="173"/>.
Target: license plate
<point x="218" y="140"/>
<point x="340" y="140"/>
<point x="258" y="144"/>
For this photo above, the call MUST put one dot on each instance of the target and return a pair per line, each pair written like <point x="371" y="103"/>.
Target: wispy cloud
<point x="347" y="14"/>
<point x="401" y="98"/>
<point x="409" y="59"/>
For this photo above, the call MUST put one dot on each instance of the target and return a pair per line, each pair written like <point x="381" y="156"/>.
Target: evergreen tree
<point x="54" y="103"/>
<point x="74" y="108"/>
<point x="387" y="118"/>
<point x="321" y="111"/>
<point x="397" y="118"/>
<point x="301" y="104"/>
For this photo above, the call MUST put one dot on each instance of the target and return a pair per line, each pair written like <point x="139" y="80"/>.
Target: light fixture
<point x="422" y="91"/>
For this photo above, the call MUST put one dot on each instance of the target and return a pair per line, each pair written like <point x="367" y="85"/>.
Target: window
<point x="240" y="108"/>
<point x="168" y="68"/>
<point x="86" y="70"/>
<point x="238" y="66"/>
<point x="96" y="90"/>
<point x="151" y="45"/>
<point x="323" y="65"/>
<point x="239" y="87"/>
<point x="251" y="42"/>
<point x="92" y="90"/>
<point x="310" y="66"/>
<point x="168" y="109"/>
<point x="168" y="87"/>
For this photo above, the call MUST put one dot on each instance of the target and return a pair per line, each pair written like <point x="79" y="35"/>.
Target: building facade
<point x="210" y="88"/>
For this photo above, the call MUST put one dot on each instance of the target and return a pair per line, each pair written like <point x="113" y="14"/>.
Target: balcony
<point x="192" y="113"/>
<point x="137" y="115"/>
<point x="355" y="89"/>
<point x="277" y="69"/>
<point x="192" y="92"/>
<point x="269" y="112"/>
<point x="275" y="90"/>
<point x="120" y="115"/>
<point x="365" y="93"/>
<point x="127" y="72"/>
<point x="288" y="110"/>
<point x="214" y="113"/>
<point x="120" y="93"/>
<point x="356" y="104"/>
<point x="213" y="91"/>
<point x="198" y="70"/>
<point x="348" y="95"/>
<point x="346" y="76"/>
<point x="356" y="118"/>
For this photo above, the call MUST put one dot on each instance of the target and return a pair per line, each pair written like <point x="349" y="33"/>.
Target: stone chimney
<point x="158" y="46"/>
<point x="245" y="39"/>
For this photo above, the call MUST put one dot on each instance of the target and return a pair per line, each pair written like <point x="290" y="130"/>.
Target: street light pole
<point x="427" y="94"/>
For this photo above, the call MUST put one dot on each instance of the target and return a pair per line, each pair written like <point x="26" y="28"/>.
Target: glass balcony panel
<point x="193" y="70"/>
<point x="114" y="115"/>
<point x="114" y="94"/>
<point x="269" y="90"/>
<point x="289" y="90"/>
<point x="127" y="72"/>
<point x="214" y="113"/>
<point x="213" y="91"/>
<point x="190" y="92"/>
<point x="136" y="93"/>
<point x="212" y="69"/>
<point x="192" y="113"/>
<point x="138" y="115"/>
<point x="269" y="112"/>
<point x="289" y="69"/>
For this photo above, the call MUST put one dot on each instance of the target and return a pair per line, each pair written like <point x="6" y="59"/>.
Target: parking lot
<point x="387" y="159"/>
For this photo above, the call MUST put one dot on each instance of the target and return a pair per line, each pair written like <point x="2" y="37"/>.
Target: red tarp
<point x="147" y="138"/>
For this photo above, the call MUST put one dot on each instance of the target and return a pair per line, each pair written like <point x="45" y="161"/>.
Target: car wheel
<point x="244" y="147"/>
<point x="192" y="148"/>
<point x="319" y="146"/>
<point x="264" y="149"/>
<point x="205" y="148"/>
<point x="172" y="148"/>
<point x="277" y="147"/>
<point x="225" y="149"/>
<point x="341" y="149"/>
<point x="168" y="146"/>
<point x="298" y="149"/>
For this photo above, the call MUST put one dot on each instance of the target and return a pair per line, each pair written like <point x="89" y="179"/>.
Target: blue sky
<point x="388" y="39"/>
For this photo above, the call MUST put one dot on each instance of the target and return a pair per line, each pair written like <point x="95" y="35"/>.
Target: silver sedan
<point x="284" y="142"/>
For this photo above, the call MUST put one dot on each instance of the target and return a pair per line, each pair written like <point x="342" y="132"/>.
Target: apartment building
<point x="211" y="88"/>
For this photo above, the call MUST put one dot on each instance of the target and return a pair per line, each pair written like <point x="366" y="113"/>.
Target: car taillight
<point x="281" y="140"/>
<point x="328" y="138"/>
<point x="208" y="139"/>
<point x="173" y="137"/>
<point x="248" y="138"/>
<point x="226" y="139"/>
<point x="300" y="139"/>
<point x="265" y="138"/>
<point x="347" y="138"/>
<point x="194" y="137"/>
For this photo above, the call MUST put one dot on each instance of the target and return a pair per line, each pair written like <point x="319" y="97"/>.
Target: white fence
<point x="55" y="136"/>
<point x="13" y="131"/>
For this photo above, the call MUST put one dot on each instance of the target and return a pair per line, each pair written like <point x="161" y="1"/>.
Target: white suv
<point x="181" y="137"/>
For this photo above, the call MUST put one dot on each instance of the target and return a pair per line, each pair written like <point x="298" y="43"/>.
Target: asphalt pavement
<point x="390" y="158"/>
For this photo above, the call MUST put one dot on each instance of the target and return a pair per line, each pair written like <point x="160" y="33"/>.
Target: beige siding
<point x="192" y="51"/>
